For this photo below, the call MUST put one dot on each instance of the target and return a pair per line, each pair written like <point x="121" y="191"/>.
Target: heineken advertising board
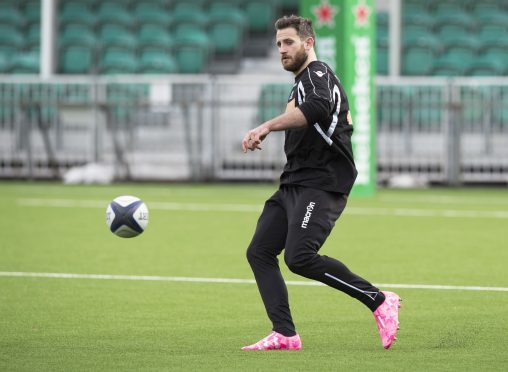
<point x="345" y="34"/>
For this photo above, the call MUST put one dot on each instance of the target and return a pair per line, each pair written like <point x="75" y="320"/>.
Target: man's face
<point x="291" y="48"/>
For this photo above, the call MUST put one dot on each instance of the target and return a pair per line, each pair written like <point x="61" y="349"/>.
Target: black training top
<point x="320" y="155"/>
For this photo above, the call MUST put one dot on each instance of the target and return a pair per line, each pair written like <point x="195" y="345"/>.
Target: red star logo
<point x="325" y="14"/>
<point x="361" y="13"/>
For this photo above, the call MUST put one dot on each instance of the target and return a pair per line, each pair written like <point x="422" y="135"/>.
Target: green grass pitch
<point x="456" y="237"/>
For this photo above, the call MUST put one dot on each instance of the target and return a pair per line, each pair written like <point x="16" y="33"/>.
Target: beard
<point x="295" y="62"/>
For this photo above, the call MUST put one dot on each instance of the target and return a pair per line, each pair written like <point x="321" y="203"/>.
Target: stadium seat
<point x="32" y="12"/>
<point x="450" y="32"/>
<point x="497" y="54"/>
<point x="4" y="63"/>
<point x="10" y="15"/>
<point x="415" y="6"/>
<point x="113" y="12"/>
<point x="76" y="60"/>
<point x="191" y="59"/>
<point x="10" y="36"/>
<point x="154" y="35"/>
<point x="118" y="61"/>
<point x="485" y="66"/>
<point x="414" y="32"/>
<point x="226" y="31"/>
<point x="33" y="37"/>
<point x="77" y="35"/>
<point x="426" y="41"/>
<point x="462" y="19"/>
<point x="417" y="61"/>
<point x="25" y="63"/>
<point x="157" y="62"/>
<point x="485" y="8"/>
<point x="77" y="12"/>
<point x="272" y="101"/>
<point x="449" y="65"/>
<point x="260" y="16"/>
<point x="188" y="13"/>
<point x="115" y="35"/>
<point x="152" y="13"/>
<point x="444" y="7"/>
<point x="382" y="61"/>
<point x="423" y="19"/>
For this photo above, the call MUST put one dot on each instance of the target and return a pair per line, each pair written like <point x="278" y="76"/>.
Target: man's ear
<point x="309" y="43"/>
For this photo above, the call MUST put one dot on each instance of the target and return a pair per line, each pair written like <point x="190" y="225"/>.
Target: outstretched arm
<point x="291" y="119"/>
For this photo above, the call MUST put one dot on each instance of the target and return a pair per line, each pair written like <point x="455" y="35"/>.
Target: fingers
<point x="251" y="142"/>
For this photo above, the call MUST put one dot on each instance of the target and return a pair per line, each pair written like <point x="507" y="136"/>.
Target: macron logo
<point x="308" y="214"/>
<point x="319" y="73"/>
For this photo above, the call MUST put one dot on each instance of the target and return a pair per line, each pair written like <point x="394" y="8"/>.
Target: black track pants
<point x="299" y="219"/>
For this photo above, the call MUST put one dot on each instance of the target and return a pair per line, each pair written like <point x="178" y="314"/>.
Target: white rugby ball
<point x="127" y="216"/>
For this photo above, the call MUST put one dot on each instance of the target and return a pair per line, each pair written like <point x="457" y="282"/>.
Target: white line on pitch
<point x="230" y="280"/>
<point x="400" y="212"/>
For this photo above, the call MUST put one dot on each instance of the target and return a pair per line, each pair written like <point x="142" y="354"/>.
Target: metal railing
<point x="190" y="127"/>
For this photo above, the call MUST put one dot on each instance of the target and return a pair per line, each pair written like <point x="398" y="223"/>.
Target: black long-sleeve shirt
<point x="320" y="155"/>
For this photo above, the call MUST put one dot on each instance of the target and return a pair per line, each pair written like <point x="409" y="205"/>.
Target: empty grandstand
<point x="141" y="84"/>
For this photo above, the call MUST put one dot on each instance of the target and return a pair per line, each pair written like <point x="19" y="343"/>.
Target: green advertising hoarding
<point x="345" y="34"/>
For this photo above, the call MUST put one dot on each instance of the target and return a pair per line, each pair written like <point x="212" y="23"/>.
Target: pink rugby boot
<point x="387" y="318"/>
<point x="276" y="341"/>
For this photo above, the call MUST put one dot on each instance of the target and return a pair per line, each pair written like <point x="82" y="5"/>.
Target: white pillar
<point x="48" y="22"/>
<point x="395" y="38"/>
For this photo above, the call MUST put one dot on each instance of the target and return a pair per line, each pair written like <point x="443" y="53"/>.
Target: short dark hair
<point x="303" y="26"/>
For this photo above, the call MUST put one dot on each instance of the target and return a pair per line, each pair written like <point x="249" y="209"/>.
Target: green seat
<point x="76" y="60"/>
<point x="5" y="63"/>
<point x="448" y="7"/>
<point x="423" y="41"/>
<point x="10" y="36"/>
<point x="451" y="32"/>
<point x="33" y="36"/>
<point x="32" y="11"/>
<point x="461" y="19"/>
<point x="382" y="61"/>
<point x="272" y="101"/>
<point x="226" y="34"/>
<point x="10" y="15"/>
<point x="485" y="9"/>
<point x="77" y="12"/>
<point x="154" y="35"/>
<point x="192" y="51"/>
<point x="77" y="35"/>
<point x="152" y="13"/>
<point x="493" y="36"/>
<point x="414" y="6"/>
<point x="118" y="61"/>
<point x="422" y="19"/>
<point x="496" y="54"/>
<point x="260" y="16"/>
<point x="499" y="18"/>
<point x="157" y="62"/>
<point x="485" y="66"/>
<point x="449" y="65"/>
<point x="115" y="35"/>
<point x="417" y="61"/>
<point x="113" y="12"/>
<point x="25" y="63"/>
<point x="189" y="13"/>
<point x="415" y="31"/>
